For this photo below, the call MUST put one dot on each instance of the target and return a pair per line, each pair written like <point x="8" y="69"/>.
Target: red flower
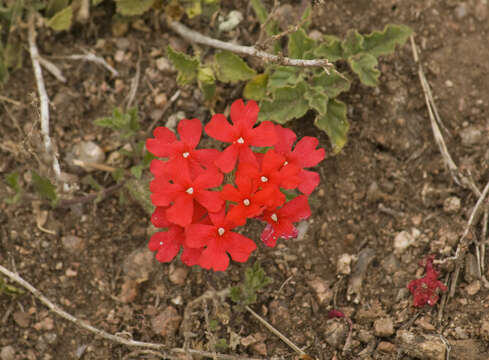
<point x="182" y="153"/>
<point x="250" y="203"/>
<point x="304" y="155"/>
<point x="181" y="194"/>
<point x="424" y="289"/>
<point x="218" y="241"/>
<point x="167" y="243"/>
<point x="271" y="172"/>
<point x="241" y="134"/>
<point x="280" y="222"/>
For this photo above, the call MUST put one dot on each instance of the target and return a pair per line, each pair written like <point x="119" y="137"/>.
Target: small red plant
<point x="424" y="290"/>
<point x="199" y="213"/>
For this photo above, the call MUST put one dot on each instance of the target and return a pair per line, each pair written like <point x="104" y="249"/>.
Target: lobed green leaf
<point x="287" y="103"/>
<point x="352" y="44"/>
<point x="256" y="88"/>
<point x="207" y="82"/>
<point x="330" y="49"/>
<point x="384" y="42"/>
<point x="334" y="124"/>
<point x="333" y="83"/>
<point x="231" y="68"/>
<point x="55" y="6"/>
<point x="283" y="76"/>
<point x="300" y="45"/>
<point x="187" y="66"/>
<point x="365" y="66"/>
<point x="317" y="99"/>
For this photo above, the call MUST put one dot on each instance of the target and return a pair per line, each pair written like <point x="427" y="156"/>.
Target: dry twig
<point x="88" y="56"/>
<point x="194" y="36"/>
<point x="43" y="97"/>
<point x="165" y="353"/>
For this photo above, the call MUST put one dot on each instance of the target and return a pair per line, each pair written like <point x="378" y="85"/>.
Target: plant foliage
<point x="286" y="93"/>
<point x="255" y="280"/>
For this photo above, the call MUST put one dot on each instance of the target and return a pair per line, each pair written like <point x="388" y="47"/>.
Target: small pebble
<point x="473" y="288"/>
<point x="7" y="353"/>
<point x="119" y="56"/>
<point x="321" y="287"/>
<point x="164" y="65"/>
<point x="405" y="239"/>
<point x="138" y="265"/>
<point x="335" y="333"/>
<point x="386" y="347"/>
<point x="484" y="331"/>
<point x="384" y="327"/>
<point x="343" y="265"/>
<point x="461" y="10"/>
<point x="167" y="322"/>
<point x="73" y="244"/>
<point x="21" y="318"/>
<point x="161" y="100"/>
<point x="231" y="21"/>
<point x="451" y="205"/>
<point x="470" y="136"/>
<point x="178" y="274"/>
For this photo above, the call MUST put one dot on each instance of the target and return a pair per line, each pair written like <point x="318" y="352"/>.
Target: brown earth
<point x="389" y="178"/>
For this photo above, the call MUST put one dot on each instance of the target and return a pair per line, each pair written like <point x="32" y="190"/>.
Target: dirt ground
<point x="389" y="181"/>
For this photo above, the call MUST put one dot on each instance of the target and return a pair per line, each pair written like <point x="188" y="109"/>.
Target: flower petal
<point x="285" y="139"/>
<point x="244" y="115"/>
<point x="305" y="152"/>
<point x="199" y="235"/>
<point x="268" y="236"/>
<point x="190" y="256"/>
<point x="215" y="260"/>
<point x="190" y="131"/>
<point x="239" y="247"/>
<point x="227" y="159"/>
<point x="181" y="211"/>
<point x="159" y="145"/>
<point x="309" y="181"/>
<point x="296" y="209"/>
<point x="263" y="135"/>
<point x="220" y="129"/>
<point x="208" y="179"/>
<point x="158" y="218"/>
<point x="211" y="200"/>
<point x="159" y="168"/>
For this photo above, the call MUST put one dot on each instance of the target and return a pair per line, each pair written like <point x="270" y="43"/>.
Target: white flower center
<point x="246" y="202"/>
<point x="240" y="140"/>
<point x="285" y="163"/>
<point x="185" y="154"/>
<point x="190" y="190"/>
<point x="161" y="243"/>
<point x="264" y="179"/>
<point x="221" y="231"/>
<point x="274" y="217"/>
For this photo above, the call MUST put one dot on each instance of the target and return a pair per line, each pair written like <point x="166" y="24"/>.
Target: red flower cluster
<point x="199" y="213"/>
<point x="424" y="289"/>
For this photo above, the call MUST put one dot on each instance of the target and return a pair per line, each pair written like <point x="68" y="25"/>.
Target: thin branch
<point x="43" y="97"/>
<point x="114" y="338"/>
<point x="194" y="36"/>
<point x="88" y="56"/>
<point x="52" y="68"/>
<point x="9" y="100"/>
<point x="276" y="332"/>
<point x="66" y="203"/>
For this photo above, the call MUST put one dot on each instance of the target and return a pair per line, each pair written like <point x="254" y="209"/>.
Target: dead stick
<point x="194" y="36"/>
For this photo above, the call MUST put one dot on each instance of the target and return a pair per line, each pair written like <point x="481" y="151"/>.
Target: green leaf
<point x="255" y="280"/>
<point x="333" y="83"/>
<point x="300" y="45"/>
<point x="118" y="175"/>
<point x="192" y="8"/>
<point x="260" y="10"/>
<point x="334" y="123"/>
<point x="133" y="7"/>
<point x="287" y="103"/>
<point x="12" y="181"/>
<point x="96" y="2"/>
<point x="352" y="44"/>
<point x="61" y="20"/>
<point x="137" y="171"/>
<point x="13" y="54"/>
<point x="304" y="17"/>
<point x="126" y="123"/>
<point x="187" y="66"/>
<point x="231" y="68"/>
<point x="256" y="88"/>
<point x="55" y="6"/>
<point x="330" y="49"/>
<point x="44" y="187"/>
<point x="365" y="66"/>
<point x="9" y="289"/>
<point x="383" y="43"/>
<point x="283" y="76"/>
<point x="317" y="99"/>
<point x="207" y="82"/>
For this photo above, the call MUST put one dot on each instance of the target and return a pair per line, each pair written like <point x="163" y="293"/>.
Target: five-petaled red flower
<point x="182" y="153"/>
<point x="280" y="222"/>
<point x="241" y="134"/>
<point x="303" y="156"/>
<point x="218" y="241"/>
<point x="424" y="290"/>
